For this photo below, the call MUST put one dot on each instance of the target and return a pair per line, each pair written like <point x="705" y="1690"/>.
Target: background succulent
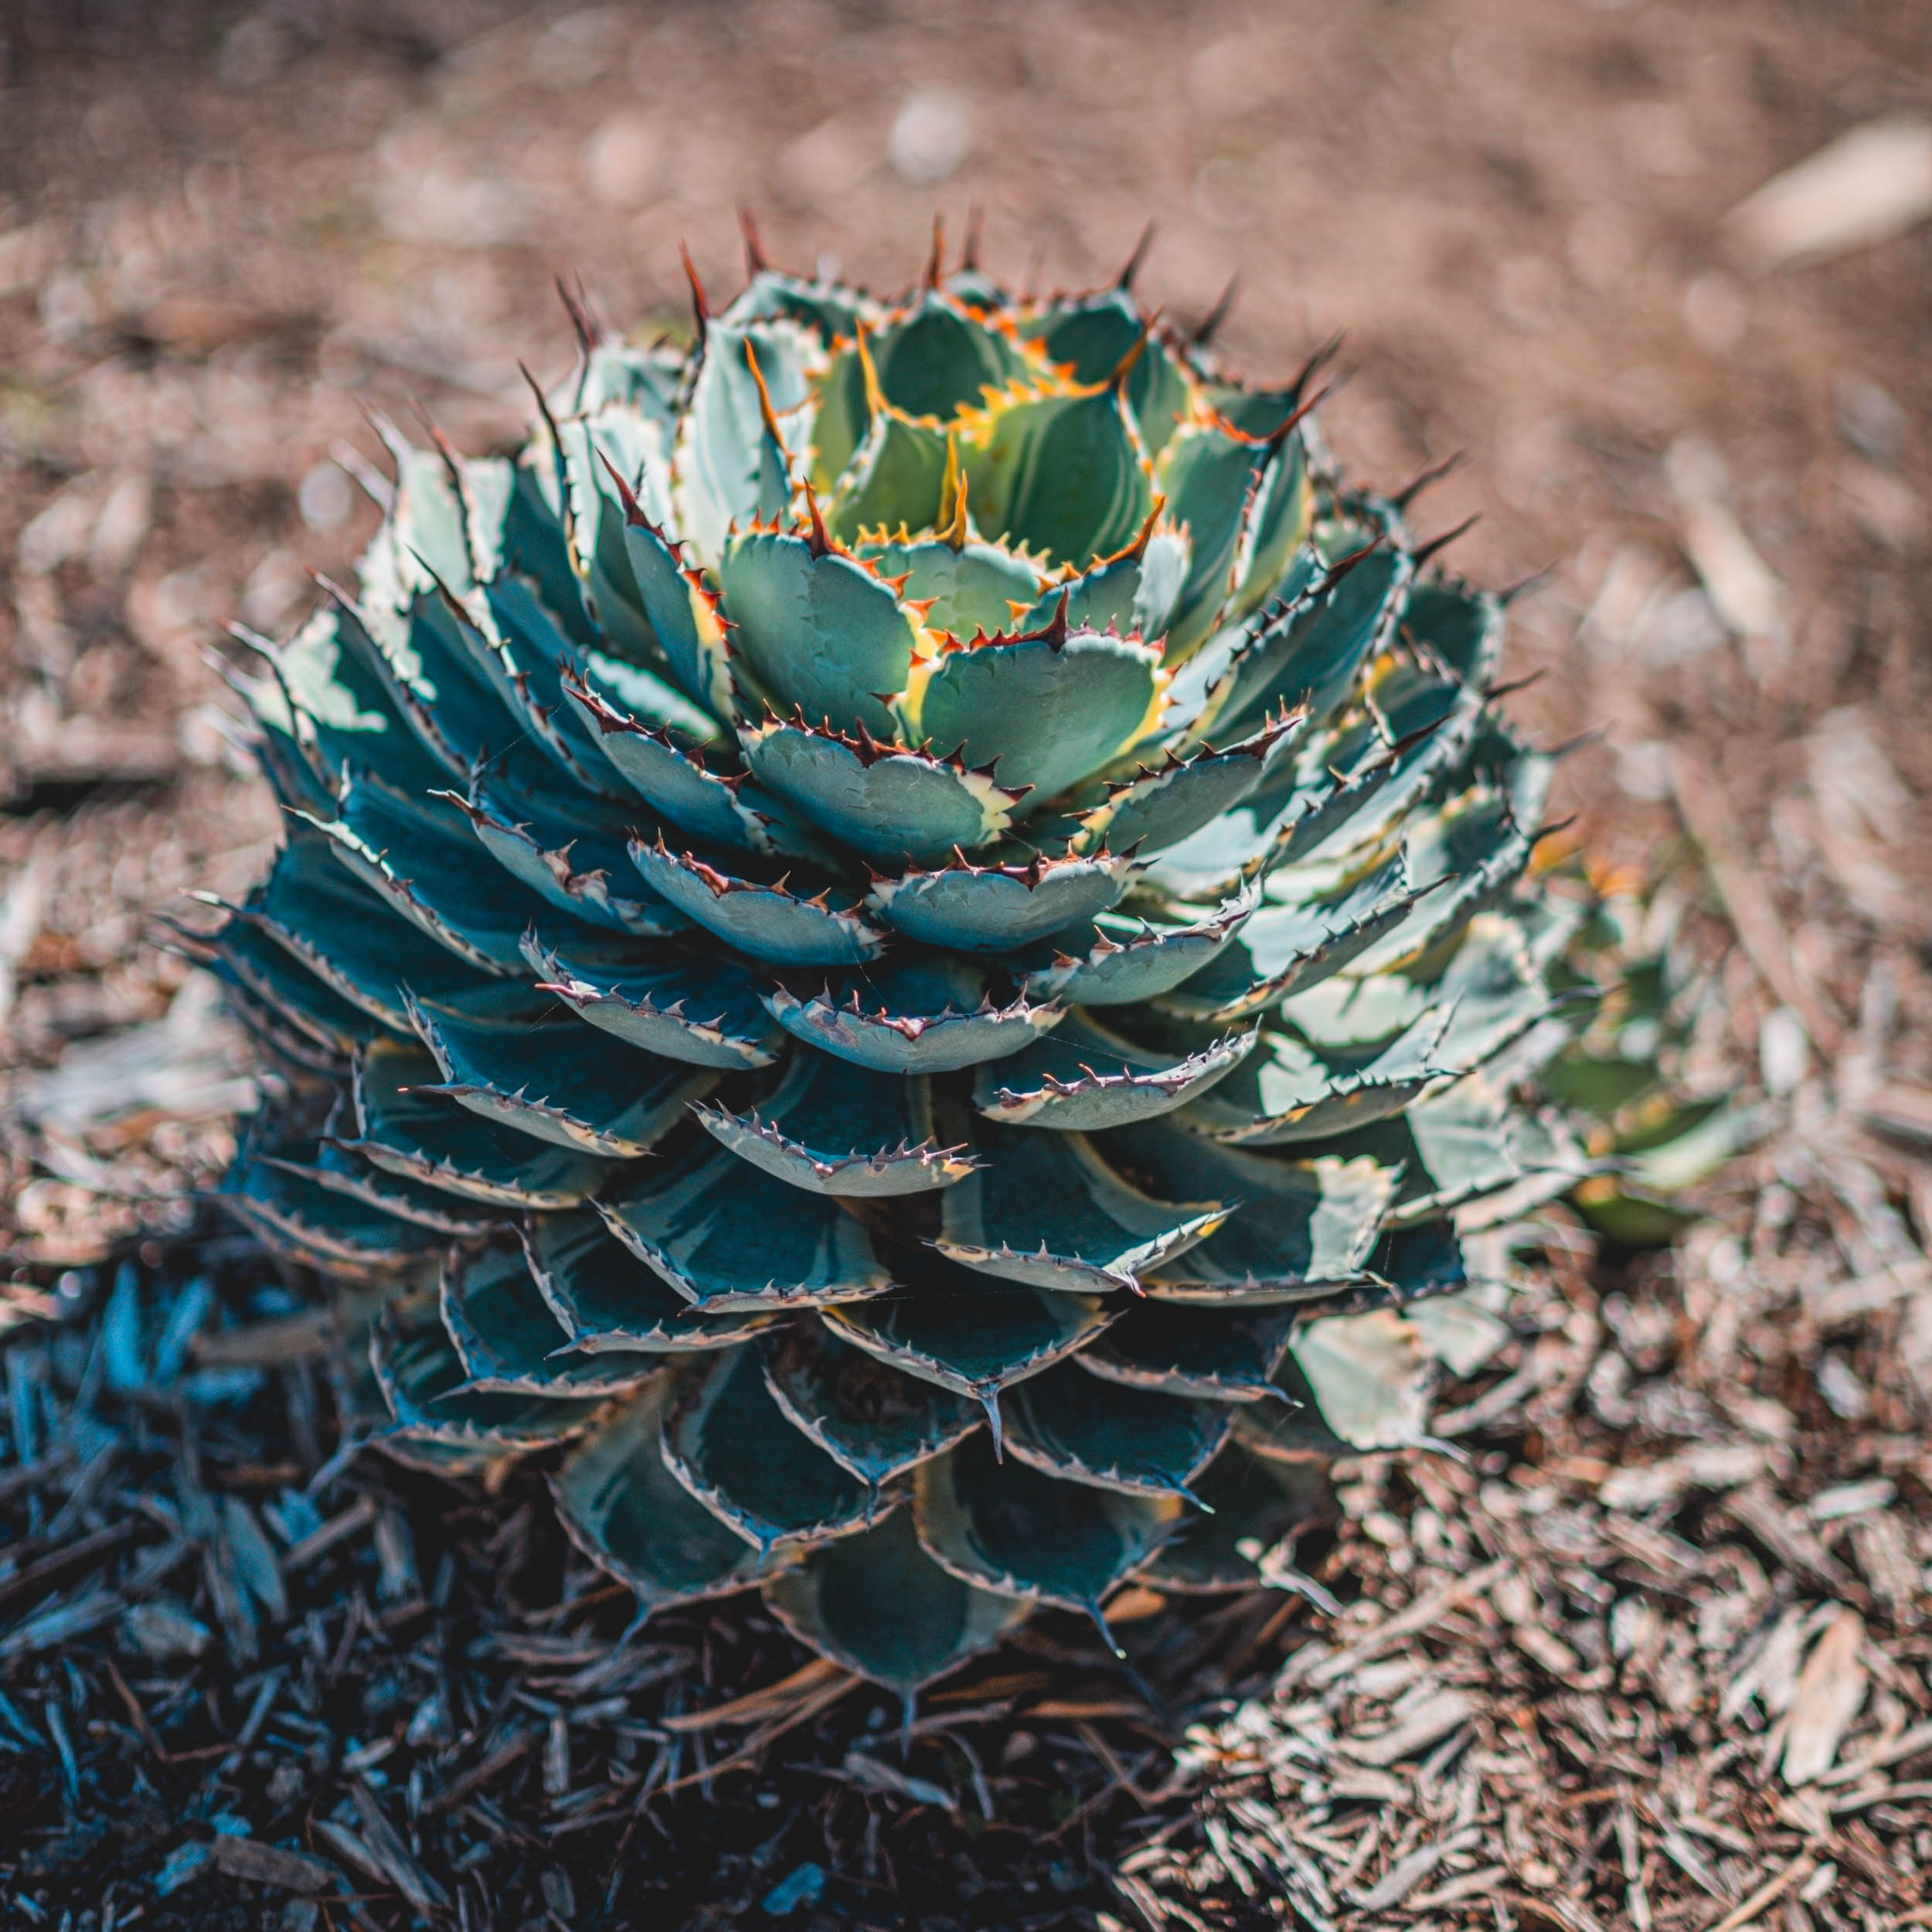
<point x="916" y="916"/>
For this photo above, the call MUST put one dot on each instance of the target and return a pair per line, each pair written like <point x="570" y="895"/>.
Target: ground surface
<point x="225" y="233"/>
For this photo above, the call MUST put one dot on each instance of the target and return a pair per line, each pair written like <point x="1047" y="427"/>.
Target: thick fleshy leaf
<point x="1309" y="654"/>
<point x="1120" y="961"/>
<point x="1275" y="528"/>
<point x="768" y="921"/>
<point x="346" y="935"/>
<point x="1286" y="948"/>
<point x="422" y="1379"/>
<point x="729" y="466"/>
<point x="871" y="1417"/>
<point x="422" y="1137"/>
<point x="1227" y="1353"/>
<point x="299" y="1215"/>
<point x="433" y="679"/>
<point x="511" y="1343"/>
<point x="916" y="1014"/>
<point x="1082" y="1077"/>
<point x="280" y="980"/>
<point x="1463" y="626"/>
<point x="1488" y="980"/>
<point x="331" y="1165"/>
<point x="625" y="1510"/>
<point x="835" y="1128"/>
<point x="1047" y="1210"/>
<point x="674" y="781"/>
<point x="682" y="612"/>
<point x="1470" y="853"/>
<point x="726" y="1235"/>
<point x="1161" y="808"/>
<point x="896" y="478"/>
<point x="581" y="869"/>
<point x="1208" y="473"/>
<point x="1257" y="1502"/>
<point x="1290" y="1091"/>
<point x="878" y="1604"/>
<point x="892" y="806"/>
<point x="530" y="653"/>
<point x="602" y="456"/>
<point x="995" y="908"/>
<point x="1303" y="1227"/>
<point x="968" y="1334"/>
<point x="1371" y="1377"/>
<point x="728" y="1441"/>
<point x="1045" y="709"/>
<point x="829" y="309"/>
<point x="516" y="1057"/>
<point x="1009" y="1528"/>
<point x="937" y="358"/>
<point x="680" y="1003"/>
<point x="1062" y="471"/>
<point x="1093" y="334"/>
<point x="968" y="586"/>
<point x="421" y="860"/>
<point x="606" y="1299"/>
<point x="819" y="630"/>
<point x="338" y="709"/>
<point x="1071" y="1424"/>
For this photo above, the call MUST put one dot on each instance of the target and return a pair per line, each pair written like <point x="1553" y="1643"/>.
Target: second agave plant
<point x="905" y="941"/>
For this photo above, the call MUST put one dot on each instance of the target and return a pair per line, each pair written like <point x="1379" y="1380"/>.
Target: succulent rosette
<point x="912" y="925"/>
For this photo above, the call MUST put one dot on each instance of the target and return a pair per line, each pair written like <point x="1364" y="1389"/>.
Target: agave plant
<point x="914" y="921"/>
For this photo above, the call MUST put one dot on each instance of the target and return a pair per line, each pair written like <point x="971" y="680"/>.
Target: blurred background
<point x="1697" y="402"/>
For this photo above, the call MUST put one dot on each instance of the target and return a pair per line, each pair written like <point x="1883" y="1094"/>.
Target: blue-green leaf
<point x="1227" y="1353"/>
<point x="421" y="860"/>
<point x="818" y="629"/>
<point x="327" y="1229"/>
<point x="1257" y="1502"/>
<point x="728" y="466"/>
<point x="580" y="868"/>
<point x="915" y="1014"/>
<point x="332" y="1166"/>
<point x="346" y="935"/>
<point x="1117" y="960"/>
<point x="996" y="908"/>
<point x="730" y="1443"/>
<point x="891" y="805"/>
<point x="879" y="1605"/>
<point x="1008" y="1529"/>
<point x="1070" y="1424"/>
<point x="607" y="1299"/>
<point x="766" y="920"/>
<point x="511" y="1343"/>
<point x="727" y="1235"/>
<point x="1303" y="1227"/>
<point x="971" y="586"/>
<point x="968" y="1334"/>
<point x="698" y="1006"/>
<point x="1046" y="1210"/>
<point x="625" y="1510"/>
<point x="1292" y="1091"/>
<point x="1084" y="1078"/>
<point x="1160" y="808"/>
<point x="1062" y="471"/>
<point x="1320" y="925"/>
<point x="423" y="1380"/>
<point x="872" y="1418"/>
<point x="1045" y="708"/>
<point x="422" y="1137"/>
<point x="516" y="1057"/>
<point x="835" y="1128"/>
